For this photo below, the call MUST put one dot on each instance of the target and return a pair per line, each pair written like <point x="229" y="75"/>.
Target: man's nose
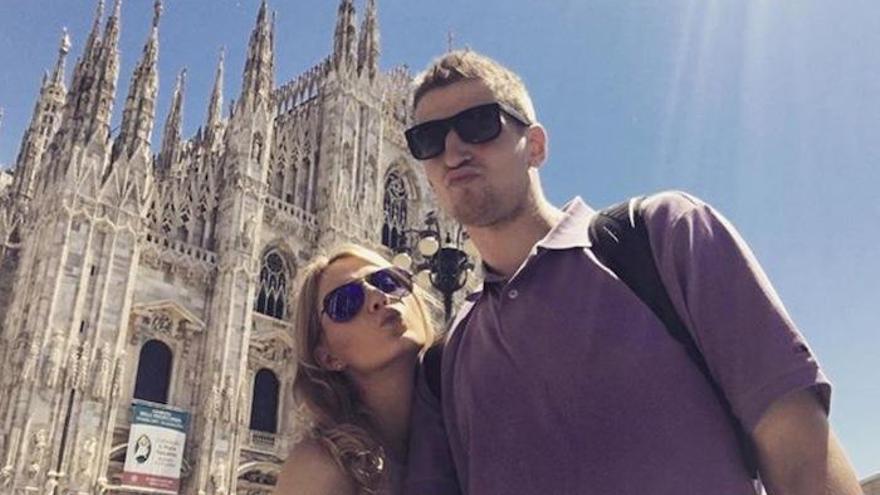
<point x="457" y="152"/>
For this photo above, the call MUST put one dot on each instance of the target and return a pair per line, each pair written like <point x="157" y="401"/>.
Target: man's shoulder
<point x="666" y="207"/>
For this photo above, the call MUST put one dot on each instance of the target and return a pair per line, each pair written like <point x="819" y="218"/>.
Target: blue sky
<point x="768" y="110"/>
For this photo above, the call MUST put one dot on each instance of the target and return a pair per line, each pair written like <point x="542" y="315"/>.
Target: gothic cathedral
<point x="133" y="277"/>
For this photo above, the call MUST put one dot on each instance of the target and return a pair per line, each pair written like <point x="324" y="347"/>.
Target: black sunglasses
<point x="475" y="125"/>
<point x="343" y="303"/>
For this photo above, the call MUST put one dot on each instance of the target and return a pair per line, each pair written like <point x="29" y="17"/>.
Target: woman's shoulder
<point x="311" y="470"/>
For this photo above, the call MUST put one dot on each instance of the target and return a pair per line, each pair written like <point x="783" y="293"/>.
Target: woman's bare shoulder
<point x="311" y="470"/>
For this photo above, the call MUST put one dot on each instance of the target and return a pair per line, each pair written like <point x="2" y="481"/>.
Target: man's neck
<point x="504" y="247"/>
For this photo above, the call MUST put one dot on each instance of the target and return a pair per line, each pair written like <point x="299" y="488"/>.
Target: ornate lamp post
<point x="444" y="266"/>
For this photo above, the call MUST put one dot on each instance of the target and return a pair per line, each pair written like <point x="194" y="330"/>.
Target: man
<point x="556" y="377"/>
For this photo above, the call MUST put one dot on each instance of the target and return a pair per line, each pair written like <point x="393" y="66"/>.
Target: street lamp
<point x="444" y="266"/>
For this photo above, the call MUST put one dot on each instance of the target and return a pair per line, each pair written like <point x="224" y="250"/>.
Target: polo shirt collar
<point x="572" y="231"/>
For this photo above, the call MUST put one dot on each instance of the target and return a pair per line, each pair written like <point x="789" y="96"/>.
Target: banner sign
<point x="155" y="448"/>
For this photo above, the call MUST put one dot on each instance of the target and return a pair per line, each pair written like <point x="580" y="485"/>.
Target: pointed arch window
<point x="395" y="209"/>
<point x="264" y="404"/>
<point x="154" y="372"/>
<point x="272" y="292"/>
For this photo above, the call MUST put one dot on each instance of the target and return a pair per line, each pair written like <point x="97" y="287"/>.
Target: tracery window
<point x="394" y="205"/>
<point x="272" y="292"/>
<point x="154" y="372"/>
<point x="264" y="404"/>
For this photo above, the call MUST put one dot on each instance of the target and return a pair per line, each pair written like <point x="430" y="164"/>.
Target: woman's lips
<point x="393" y="317"/>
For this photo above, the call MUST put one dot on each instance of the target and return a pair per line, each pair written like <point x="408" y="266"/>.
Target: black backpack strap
<point x="432" y="366"/>
<point x="620" y="241"/>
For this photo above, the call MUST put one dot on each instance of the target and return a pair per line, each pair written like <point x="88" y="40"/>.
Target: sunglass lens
<point x="344" y="302"/>
<point x="427" y="140"/>
<point x="390" y="282"/>
<point x="479" y="124"/>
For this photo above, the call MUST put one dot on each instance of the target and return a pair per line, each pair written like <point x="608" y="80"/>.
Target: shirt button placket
<point x="512" y="294"/>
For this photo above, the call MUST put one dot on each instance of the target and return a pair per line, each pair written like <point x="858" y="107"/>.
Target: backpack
<point x="620" y="241"/>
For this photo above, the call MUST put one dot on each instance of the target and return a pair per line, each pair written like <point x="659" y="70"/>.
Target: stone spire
<point x="46" y="118"/>
<point x="170" y="151"/>
<point x="140" y="105"/>
<point x="63" y="50"/>
<point x="368" y="45"/>
<point x="259" y="69"/>
<point x="90" y="100"/>
<point x="344" y="36"/>
<point x="84" y="73"/>
<point x="215" y="106"/>
<point x="105" y="87"/>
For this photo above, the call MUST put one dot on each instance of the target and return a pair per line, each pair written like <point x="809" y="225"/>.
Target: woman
<point x="360" y="328"/>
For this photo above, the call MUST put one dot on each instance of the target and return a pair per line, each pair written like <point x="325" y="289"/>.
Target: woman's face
<point x="384" y="330"/>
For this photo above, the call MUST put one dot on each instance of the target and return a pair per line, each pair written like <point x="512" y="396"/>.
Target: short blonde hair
<point x="465" y="65"/>
<point x="328" y="400"/>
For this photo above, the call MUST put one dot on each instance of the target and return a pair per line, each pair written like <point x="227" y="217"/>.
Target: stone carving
<point x="50" y="486"/>
<point x="218" y="476"/>
<point x="73" y="375"/>
<point x="102" y="373"/>
<point x="214" y="398"/>
<point x="84" y="364"/>
<point x="162" y="324"/>
<point x="248" y="232"/>
<point x="243" y="406"/>
<point x="29" y="368"/>
<point x="270" y="351"/>
<point x="86" y="460"/>
<point x="117" y="377"/>
<point x="8" y="469"/>
<point x="39" y="444"/>
<point x="228" y="400"/>
<point x="53" y="361"/>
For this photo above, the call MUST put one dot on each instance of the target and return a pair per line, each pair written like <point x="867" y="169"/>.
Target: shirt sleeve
<point x="430" y="469"/>
<point x="750" y="343"/>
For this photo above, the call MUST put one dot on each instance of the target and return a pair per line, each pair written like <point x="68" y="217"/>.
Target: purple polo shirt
<point x="561" y="381"/>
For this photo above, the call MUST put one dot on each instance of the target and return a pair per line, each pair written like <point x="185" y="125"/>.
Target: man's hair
<point x="464" y="65"/>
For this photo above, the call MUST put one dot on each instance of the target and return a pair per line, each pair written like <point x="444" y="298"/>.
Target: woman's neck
<point x="388" y="395"/>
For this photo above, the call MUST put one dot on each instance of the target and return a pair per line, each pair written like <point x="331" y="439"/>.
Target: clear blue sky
<point x="768" y="110"/>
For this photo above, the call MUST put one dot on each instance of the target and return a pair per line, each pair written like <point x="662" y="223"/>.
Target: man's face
<point x="484" y="184"/>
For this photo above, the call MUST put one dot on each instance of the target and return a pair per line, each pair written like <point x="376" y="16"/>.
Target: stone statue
<point x="50" y="486"/>
<point x="102" y="373"/>
<point x="117" y="377"/>
<point x="218" y="476"/>
<point x="87" y="459"/>
<point x="53" y="361"/>
<point x="228" y="400"/>
<point x="39" y="445"/>
<point x="29" y="368"/>
<point x="248" y="232"/>
<point x="214" y="400"/>
<point x="243" y="406"/>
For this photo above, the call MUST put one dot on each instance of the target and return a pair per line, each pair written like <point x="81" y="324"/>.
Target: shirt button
<point x="513" y="294"/>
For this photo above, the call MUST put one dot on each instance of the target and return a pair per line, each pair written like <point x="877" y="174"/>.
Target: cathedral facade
<point x="133" y="277"/>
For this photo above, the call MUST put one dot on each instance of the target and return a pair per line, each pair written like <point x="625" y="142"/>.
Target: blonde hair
<point x="465" y="65"/>
<point x="328" y="400"/>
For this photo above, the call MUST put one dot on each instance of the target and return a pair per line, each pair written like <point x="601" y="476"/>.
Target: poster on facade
<point x="155" y="448"/>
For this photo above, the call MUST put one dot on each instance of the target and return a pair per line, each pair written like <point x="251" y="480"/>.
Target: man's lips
<point x="459" y="175"/>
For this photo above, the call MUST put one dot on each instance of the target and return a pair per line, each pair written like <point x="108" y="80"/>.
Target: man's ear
<point x="536" y="141"/>
<point x="327" y="360"/>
